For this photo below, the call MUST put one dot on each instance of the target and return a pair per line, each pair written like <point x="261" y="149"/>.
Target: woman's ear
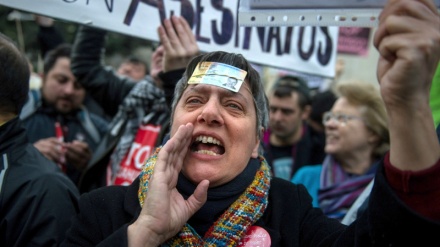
<point x="255" y="152"/>
<point x="373" y="137"/>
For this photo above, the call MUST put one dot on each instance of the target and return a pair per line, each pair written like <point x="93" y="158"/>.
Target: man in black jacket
<point x="290" y="142"/>
<point x="57" y="122"/>
<point x="37" y="200"/>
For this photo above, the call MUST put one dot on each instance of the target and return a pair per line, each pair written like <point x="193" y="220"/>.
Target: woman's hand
<point x="165" y="211"/>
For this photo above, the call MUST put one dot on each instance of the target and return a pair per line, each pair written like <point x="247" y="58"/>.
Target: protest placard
<point x="215" y="24"/>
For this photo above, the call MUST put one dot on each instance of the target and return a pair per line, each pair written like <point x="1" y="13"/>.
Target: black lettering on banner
<point x="311" y="41"/>
<point x="261" y="31"/>
<point x="237" y="29"/>
<point x="199" y="10"/>
<point x="305" y="55"/>
<point x="109" y="5"/>
<point x="324" y="58"/>
<point x="288" y="40"/>
<point x="246" y="39"/>
<point x="283" y="44"/>
<point x="187" y="11"/>
<point x="134" y="5"/>
<point x="274" y="35"/>
<point x="227" y="24"/>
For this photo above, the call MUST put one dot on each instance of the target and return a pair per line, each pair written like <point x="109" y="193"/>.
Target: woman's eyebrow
<point x="202" y="89"/>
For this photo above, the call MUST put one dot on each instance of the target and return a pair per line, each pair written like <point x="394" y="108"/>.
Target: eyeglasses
<point x="338" y="117"/>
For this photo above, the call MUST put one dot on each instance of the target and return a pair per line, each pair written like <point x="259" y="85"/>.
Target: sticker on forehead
<point x="218" y="74"/>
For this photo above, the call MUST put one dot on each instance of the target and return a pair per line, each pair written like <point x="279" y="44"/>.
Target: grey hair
<point x="373" y="110"/>
<point x="254" y="80"/>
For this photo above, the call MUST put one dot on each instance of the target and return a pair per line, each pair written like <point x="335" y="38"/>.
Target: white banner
<point x="309" y="49"/>
<point x="297" y="4"/>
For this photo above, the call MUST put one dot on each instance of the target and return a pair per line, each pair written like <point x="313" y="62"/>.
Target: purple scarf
<point x="339" y="189"/>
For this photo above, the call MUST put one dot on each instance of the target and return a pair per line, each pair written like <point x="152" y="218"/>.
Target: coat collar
<point x="131" y="202"/>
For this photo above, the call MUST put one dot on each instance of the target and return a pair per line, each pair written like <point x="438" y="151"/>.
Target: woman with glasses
<point x="356" y="139"/>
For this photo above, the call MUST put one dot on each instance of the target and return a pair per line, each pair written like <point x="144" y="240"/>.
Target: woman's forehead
<point x="244" y="91"/>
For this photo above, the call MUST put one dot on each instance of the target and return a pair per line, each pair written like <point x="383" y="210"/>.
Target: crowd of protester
<point x="167" y="153"/>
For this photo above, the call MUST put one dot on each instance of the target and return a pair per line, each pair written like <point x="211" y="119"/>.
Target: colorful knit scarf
<point x="338" y="189"/>
<point x="233" y="223"/>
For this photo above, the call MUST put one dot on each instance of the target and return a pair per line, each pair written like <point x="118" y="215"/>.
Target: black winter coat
<point x="289" y="218"/>
<point x="37" y="200"/>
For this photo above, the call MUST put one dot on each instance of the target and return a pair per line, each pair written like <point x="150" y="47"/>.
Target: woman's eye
<point x="193" y="101"/>
<point x="234" y="105"/>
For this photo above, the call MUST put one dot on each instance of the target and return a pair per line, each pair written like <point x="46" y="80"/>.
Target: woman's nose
<point x="211" y="113"/>
<point x="331" y="123"/>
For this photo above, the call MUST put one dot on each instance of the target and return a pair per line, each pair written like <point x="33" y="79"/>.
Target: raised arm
<point x="408" y="40"/>
<point x="48" y="35"/>
<point x="179" y="43"/>
<point x="102" y="83"/>
<point x="179" y="46"/>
